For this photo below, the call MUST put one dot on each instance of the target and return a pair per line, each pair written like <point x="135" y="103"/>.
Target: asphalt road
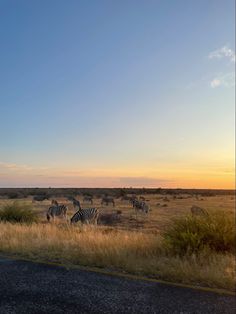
<point x="27" y="287"/>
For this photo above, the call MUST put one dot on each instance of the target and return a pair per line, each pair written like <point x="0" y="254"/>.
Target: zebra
<point x="107" y="200"/>
<point x="76" y="203"/>
<point x="133" y="198"/>
<point x="140" y="206"/>
<point x="195" y="210"/>
<point x="56" y="210"/>
<point x="88" y="199"/>
<point x="85" y="215"/>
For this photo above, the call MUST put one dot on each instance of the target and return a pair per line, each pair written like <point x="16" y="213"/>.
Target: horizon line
<point x="133" y="188"/>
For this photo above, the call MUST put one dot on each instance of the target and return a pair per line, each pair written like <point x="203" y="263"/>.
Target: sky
<point x="117" y="93"/>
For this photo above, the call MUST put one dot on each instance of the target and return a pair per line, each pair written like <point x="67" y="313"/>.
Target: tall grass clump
<point x="193" y="234"/>
<point x="18" y="213"/>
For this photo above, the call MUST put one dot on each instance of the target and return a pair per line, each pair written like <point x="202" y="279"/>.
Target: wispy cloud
<point x="20" y="168"/>
<point x="14" y="167"/>
<point x="223" y="52"/>
<point x="226" y="80"/>
<point x="81" y="181"/>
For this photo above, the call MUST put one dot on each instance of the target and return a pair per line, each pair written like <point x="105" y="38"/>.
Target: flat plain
<point x="129" y="243"/>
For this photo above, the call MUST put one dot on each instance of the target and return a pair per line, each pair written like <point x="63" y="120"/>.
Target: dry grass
<point x="157" y="220"/>
<point x="133" y="252"/>
<point x="132" y="244"/>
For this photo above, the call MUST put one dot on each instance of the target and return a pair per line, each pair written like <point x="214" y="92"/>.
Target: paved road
<point x="27" y="287"/>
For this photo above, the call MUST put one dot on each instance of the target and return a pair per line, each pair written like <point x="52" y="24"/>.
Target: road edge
<point x="119" y="274"/>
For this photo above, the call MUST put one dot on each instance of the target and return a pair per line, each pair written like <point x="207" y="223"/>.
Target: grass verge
<point x="132" y="252"/>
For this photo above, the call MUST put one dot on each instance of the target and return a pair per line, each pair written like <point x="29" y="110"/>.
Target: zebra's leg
<point x="95" y="221"/>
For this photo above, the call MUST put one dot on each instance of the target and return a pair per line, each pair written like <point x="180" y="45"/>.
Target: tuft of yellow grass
<point x="113" y="249"/>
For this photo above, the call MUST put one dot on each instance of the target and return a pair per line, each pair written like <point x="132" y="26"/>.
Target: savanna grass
<point x="112" y="249"/>
<point x="18" y="213"/>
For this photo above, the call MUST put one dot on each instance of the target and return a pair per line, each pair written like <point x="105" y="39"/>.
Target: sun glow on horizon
<point x="172" y="176"/>
<point x="98" y="95"/>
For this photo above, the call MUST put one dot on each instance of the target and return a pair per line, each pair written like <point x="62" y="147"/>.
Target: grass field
<point x="132" y="244"/>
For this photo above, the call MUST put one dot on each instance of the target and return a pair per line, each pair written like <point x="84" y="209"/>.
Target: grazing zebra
<point x="140" y="206"/>
<point x="133" y="198"/>
<point x="85" y="215"/>
<point x="56" y="210"/>
<point x="106" y="200"/>
<point x="195" y="210"/>
<point x="88" y="199"/>
<point x="76" y="203"/>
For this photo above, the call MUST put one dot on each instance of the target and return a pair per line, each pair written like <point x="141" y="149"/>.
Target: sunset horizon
<point x="90" y="101"/>
<point x="117" y="156"/>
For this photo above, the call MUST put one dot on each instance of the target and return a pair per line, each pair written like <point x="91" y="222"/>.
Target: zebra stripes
<point x="140" y="206"/>
<point x="85" y="215"/>
<point x="56" y="211"/>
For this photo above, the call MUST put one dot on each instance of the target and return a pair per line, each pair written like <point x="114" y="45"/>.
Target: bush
<point x="110" y="218"/>
<point x="13" y="195"/>
<point x="193" y="234"/>
<point x="16" y="212"/>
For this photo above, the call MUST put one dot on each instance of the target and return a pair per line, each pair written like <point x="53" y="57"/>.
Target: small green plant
<point x="18" y="212"/>
<point x="192" y="234"/>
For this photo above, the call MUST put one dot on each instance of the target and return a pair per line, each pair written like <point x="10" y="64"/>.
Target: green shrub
<point x="192" y="234"/>
<point x="16" y="212"/>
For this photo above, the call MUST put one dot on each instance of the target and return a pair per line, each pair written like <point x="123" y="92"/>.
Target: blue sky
<point x="114" y="93"/>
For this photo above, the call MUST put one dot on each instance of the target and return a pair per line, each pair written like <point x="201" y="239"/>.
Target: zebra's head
<point x="75" y="218"/>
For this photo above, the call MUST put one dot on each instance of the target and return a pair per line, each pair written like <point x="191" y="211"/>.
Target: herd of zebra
<point x="89" y="215"/>
<point x="85" y="215"/>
